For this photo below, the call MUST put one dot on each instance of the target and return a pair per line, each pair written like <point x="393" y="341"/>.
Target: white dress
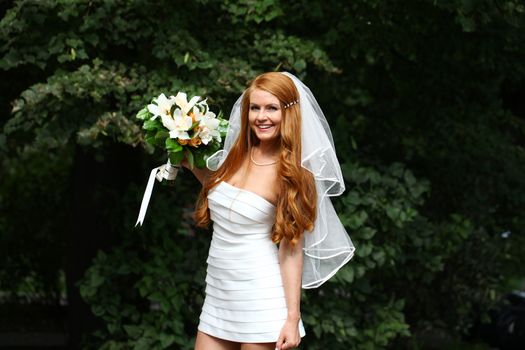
<point x="245" y="299"/>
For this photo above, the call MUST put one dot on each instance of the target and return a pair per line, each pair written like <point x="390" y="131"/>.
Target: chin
<point x="266" y="138"/>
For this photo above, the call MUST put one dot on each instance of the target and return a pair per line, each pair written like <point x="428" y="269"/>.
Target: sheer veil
<point x="327" y="247"/>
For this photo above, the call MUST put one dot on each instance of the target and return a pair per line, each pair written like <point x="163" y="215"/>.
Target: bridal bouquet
<point x="184" y="129"/>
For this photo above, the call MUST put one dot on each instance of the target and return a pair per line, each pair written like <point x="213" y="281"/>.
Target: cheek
<point x="251" y="118"/>
<point x="278" y="122"/>
<point x="279" y="117"/>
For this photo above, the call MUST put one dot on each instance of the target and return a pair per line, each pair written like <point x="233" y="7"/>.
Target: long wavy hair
<point x="296" y="203"/>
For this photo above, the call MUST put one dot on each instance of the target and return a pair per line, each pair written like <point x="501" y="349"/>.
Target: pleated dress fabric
<point x="245" y="299"/>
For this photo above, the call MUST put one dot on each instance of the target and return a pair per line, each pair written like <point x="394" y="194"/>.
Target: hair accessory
<point x="327" y="247"/>
<point x="291" y="104"/>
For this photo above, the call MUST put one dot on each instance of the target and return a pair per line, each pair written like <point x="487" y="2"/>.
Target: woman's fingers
<point x="289" y="345"/>
<point x="280" y="342"/>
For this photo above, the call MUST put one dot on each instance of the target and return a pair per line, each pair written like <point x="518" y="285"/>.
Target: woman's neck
<point x="268" y="149"/>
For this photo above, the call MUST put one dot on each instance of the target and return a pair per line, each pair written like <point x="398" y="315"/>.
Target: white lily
<point x="178" y="125"/>
<point x="208" y="129"/>
<point x="182" y="101"/>
<point x="162" y="108"/>
<point x="209" y="115"/>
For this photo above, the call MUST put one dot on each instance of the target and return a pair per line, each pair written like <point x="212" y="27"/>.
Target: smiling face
<point x="265" y="115"/>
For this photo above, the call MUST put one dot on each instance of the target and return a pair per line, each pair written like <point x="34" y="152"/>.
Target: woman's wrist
<point x="294" y="316"/>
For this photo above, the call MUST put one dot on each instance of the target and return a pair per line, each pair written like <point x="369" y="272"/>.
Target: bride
<point x="274" y="227"/>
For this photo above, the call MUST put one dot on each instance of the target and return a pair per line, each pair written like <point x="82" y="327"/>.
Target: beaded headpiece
<point x="291" y="104"/>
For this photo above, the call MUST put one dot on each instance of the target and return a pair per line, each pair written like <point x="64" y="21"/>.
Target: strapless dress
<point x="245" y="299"/>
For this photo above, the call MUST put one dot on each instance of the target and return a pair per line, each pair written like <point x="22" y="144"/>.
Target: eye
<point x="254" y="108"/>
<point x="273" y="108"/>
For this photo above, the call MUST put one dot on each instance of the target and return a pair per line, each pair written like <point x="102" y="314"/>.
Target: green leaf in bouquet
<point x="144" y="114"/>
<point x="152" y="124"/>
<point x="198" y="155"/>
<point x="176" y="157"/>
<point x="172" y="145"/>
<point x="200" y="162"/>
<point x="214" y="147"/>
<point x="200" y="158"/>
<point x="203" y="153"/>
<point x="190" y="157"/>
<point x="150" y="139"/>
<point x="161" y="136"/>
<point x="194" y="125"/>
<point x="223" y="127"/>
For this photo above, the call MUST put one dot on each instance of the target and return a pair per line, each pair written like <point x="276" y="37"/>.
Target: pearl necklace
<point x="260" y="164"/>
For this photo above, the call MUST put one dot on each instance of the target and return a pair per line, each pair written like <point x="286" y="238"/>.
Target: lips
<point x="264" y="127"/>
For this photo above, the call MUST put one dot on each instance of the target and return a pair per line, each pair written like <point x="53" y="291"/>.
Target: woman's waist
<point x="241" y="247"/>
<point x="245" y="232"/>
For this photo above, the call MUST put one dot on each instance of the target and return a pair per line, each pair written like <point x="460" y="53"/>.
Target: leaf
<point x="98" y="310"/>
<point x="133" y="331"/>
<point x="379" y="257"/>
<point x="173" y="146"/>
<point x="150" y="139"/>
<point x="194" y="125"/>
<point x="152" y="124"/>
<point x="393" y="212"/>
<point x="176" y="157"/>
<point x="367" y="233"/>
<point x="166" y="340"/>
<point x="96" y="280"/>
<point x="144" y="114"/>
<point x="299" y="65"/>
<point x="200" y="160"/>
<point x="161" y="136"/>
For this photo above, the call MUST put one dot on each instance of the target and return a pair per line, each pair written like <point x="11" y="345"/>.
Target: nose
<point x="262" y="114"/>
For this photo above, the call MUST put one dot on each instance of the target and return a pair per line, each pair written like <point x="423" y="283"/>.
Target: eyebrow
<point x="269" y="104"/>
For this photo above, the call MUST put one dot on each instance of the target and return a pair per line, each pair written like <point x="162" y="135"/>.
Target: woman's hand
<point x="289" y="337"/>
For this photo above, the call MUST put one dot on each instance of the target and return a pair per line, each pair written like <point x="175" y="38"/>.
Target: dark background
<point x="426" y="103"/>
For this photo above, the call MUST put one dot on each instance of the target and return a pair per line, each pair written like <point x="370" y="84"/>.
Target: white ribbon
<point x="166" y="171"/>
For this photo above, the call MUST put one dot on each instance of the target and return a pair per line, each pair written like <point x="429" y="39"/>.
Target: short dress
<point x="245" y="299"/>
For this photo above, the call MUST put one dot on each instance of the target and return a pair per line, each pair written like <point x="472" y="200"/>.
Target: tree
<point x="420" y="96"/>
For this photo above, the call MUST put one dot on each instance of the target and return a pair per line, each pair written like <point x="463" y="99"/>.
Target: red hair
<point x="296" y="203"/>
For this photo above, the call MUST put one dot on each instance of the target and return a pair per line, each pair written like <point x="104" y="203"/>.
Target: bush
<point x="423" y="100"/>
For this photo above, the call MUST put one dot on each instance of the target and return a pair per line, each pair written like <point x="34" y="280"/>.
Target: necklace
<point x="260" y="164"/>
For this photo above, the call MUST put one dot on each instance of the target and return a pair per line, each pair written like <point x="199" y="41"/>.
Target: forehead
<point x="261" y="97"/>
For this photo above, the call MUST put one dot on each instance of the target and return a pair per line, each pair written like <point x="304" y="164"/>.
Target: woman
<point x="270" y="186"/>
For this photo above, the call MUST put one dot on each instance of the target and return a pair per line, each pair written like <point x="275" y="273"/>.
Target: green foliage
<point x="148" y="291"/>
<point x="378" y="210"/>
<point x="421" y="97"/>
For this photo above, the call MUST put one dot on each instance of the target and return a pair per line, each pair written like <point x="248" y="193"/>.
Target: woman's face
<point x="265" y="115"/>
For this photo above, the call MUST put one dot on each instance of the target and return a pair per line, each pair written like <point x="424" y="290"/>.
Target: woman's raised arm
<point x="200" y="174"/>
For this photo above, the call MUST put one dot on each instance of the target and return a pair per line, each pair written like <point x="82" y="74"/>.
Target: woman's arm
<point x="200" y="174"/>
<point x="291" y="264"/>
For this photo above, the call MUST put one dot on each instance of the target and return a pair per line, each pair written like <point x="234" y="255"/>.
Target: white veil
<point x="327" y="247"/>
